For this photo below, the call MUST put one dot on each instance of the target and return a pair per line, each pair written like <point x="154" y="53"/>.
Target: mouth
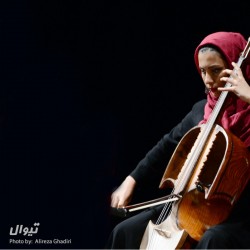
<point x="213" y="89"/>
<point x="215" y="92"/>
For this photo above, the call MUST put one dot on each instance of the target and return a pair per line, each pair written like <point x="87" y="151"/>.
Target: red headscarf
<point x="236" y="114"/>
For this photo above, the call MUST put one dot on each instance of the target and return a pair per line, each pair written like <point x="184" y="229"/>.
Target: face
<point x="211" y="65"/>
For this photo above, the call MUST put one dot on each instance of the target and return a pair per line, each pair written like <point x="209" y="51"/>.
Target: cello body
<point x="208" y="172"/>
<point x="216" y="177"/>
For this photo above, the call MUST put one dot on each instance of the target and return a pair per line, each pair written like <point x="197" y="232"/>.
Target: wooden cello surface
<point x="218" y="177"/>
<point x="208" y="172"/>
<point x="221" y="179"/>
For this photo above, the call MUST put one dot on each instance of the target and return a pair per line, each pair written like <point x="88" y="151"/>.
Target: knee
<point x="119" y="229"/>
<point x="116" y="239"/>
<point x="213" y="234"/>
<point x="215" y="237"/>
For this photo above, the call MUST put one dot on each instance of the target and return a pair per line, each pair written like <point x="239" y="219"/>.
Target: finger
<point x="226" y="73"/>
<point x="225" y="89"/>
<point x="235" y="66"/>
<point x="224" y="79"/>
<point x="114" y="202"/>
<point x="236" y="70"/>
<point x="120" y="204"/>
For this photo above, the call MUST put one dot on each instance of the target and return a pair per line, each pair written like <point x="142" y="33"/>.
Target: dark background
<point x="87" y="88"/>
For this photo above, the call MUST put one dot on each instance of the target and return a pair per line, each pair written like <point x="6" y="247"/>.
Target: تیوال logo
<point x="20" y="229"/>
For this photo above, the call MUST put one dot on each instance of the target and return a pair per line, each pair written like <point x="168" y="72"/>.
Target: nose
<point x="208" y="80"/>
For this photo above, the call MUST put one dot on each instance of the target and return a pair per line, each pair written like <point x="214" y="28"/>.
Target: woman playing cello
<point x="215" y="58"/>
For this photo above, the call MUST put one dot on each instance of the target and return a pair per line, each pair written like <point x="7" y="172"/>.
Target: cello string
<point x="184" y="176"/>
<point x="165" y="211"/>
<point x="205" y="131"/>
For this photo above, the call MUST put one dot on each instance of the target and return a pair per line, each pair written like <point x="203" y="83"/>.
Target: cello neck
<point x="224" y="94"/>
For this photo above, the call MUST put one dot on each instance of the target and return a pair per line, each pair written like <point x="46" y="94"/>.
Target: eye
<point x="216" y="71"/>
<point x="203" y="71"/>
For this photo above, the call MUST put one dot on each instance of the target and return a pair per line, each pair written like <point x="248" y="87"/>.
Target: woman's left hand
<point x="239" y="86"/>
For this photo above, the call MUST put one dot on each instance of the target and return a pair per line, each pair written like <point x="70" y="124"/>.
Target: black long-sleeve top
<point x="153" y="165"/>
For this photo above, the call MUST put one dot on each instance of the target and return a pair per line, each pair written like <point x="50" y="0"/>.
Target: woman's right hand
<point x="123" y="194"/>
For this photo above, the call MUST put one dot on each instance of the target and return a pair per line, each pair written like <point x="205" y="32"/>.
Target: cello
<point x="205" y="179"/>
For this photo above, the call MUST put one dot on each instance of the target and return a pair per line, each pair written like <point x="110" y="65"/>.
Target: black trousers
<point x="128" y="234"/>
<point x="226" y="236"/>
<point x="234" y="233"/>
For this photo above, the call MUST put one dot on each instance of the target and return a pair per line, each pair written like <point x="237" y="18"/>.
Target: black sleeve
<point x="153" y="165"/>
